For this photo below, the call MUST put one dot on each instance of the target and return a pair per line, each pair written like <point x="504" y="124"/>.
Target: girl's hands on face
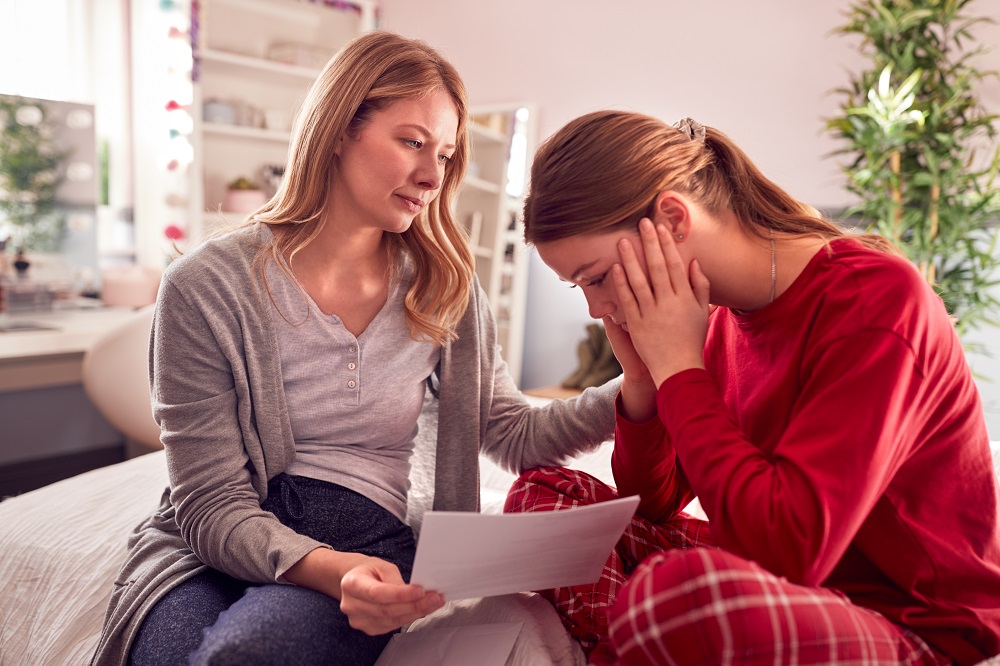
<point x="376" y="600"/>
<point x="638" y="389"/>
<point x="667" y="313"/>
<point x="633" y="369"/>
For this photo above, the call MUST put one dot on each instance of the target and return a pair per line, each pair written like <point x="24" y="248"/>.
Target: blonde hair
<point x="603" y="171"/>
<point x="367" y="75"/>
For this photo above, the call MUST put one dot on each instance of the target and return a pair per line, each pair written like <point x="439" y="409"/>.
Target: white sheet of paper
<point x="481" y="644"/>
<point x="464" y="555"/>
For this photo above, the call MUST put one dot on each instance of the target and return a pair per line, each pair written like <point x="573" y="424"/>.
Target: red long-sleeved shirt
<point x="837" y="438"/>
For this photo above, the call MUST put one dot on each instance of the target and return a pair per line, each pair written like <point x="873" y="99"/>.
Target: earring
<point x="680" y="236"/>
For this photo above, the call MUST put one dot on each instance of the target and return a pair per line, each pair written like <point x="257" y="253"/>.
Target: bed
<point x="60" y="547"/>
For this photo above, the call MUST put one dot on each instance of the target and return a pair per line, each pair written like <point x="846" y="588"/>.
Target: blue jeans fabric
<point x="216" y="619"/>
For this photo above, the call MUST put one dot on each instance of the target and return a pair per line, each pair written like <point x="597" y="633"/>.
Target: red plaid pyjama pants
<point x="667" y="595"/>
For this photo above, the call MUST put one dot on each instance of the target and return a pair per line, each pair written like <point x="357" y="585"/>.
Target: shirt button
<point x="352" y="384"/>
<point x="351" y="349"/>
<point x="351" y="366"/>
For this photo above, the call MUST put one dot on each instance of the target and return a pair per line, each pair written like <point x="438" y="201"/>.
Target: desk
<point x="48" y="427"/>
<point x="31" y="359"/>
<point x="556" y="392"/>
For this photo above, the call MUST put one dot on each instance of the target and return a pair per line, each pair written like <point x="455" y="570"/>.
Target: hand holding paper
<point x="464" y="555"/>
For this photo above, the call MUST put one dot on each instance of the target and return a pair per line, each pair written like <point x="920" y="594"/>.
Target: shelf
<point x="253" y="64"/>
<point x="293" y="10"/>
<point x="481" y="184"/>
<point x="487" y="133"/>
<point x="487" y="210"/>
<point x="239" y="43"/>
<point x="244" y="132"/>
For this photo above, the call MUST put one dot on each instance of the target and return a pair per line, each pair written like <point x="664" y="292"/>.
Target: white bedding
<point x="61" y="546"/>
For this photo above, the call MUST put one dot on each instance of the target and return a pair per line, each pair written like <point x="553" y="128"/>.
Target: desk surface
<point x="557" y="392"/>
<point x="41" y="358"/>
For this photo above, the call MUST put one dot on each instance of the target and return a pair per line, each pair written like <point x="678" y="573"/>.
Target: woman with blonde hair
<point x="290" y="362"/>
<point x="803" y="382"/>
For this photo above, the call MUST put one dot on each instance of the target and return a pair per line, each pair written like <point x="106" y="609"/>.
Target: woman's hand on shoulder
<point x="372" y="592"/>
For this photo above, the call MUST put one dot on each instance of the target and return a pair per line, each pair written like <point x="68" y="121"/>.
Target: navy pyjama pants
<point x="214" y="618"/>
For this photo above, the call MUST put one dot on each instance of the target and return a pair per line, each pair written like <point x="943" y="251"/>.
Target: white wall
<point x="763" y="72"/>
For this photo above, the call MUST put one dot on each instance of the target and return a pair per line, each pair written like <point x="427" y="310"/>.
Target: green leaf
<point x="934" y="120"/>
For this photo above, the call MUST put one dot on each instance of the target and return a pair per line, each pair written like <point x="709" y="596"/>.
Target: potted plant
<point x="30" y="174"/>
<point x="243" y="196"/>
<point x="912" y="122"/>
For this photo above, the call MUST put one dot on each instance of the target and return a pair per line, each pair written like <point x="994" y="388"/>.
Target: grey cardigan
<point x="217" y="395"/>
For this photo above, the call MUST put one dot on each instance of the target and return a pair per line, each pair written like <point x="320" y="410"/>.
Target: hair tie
<point x="692" y="129"/>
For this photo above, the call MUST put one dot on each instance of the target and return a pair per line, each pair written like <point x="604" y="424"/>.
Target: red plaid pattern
<point x="583" y="608"/>
<point x="668" y="596"/>
<point x="712" y="607"/>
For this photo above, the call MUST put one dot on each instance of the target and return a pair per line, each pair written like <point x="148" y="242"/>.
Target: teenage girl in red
<point x="821" y="408"/>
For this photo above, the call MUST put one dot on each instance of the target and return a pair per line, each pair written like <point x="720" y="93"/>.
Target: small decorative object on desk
<point x="243" y="196"/>
<point x="21" y="263"/>
<point x="26" y="296"/>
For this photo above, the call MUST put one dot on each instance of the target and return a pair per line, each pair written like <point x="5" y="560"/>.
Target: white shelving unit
<point x="256" y="57"/>
<point x="257" y="95"/>
<point x="489" y="205"/>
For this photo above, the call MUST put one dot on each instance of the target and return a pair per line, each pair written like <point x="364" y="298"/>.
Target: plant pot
<point x="243" y="201"/>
